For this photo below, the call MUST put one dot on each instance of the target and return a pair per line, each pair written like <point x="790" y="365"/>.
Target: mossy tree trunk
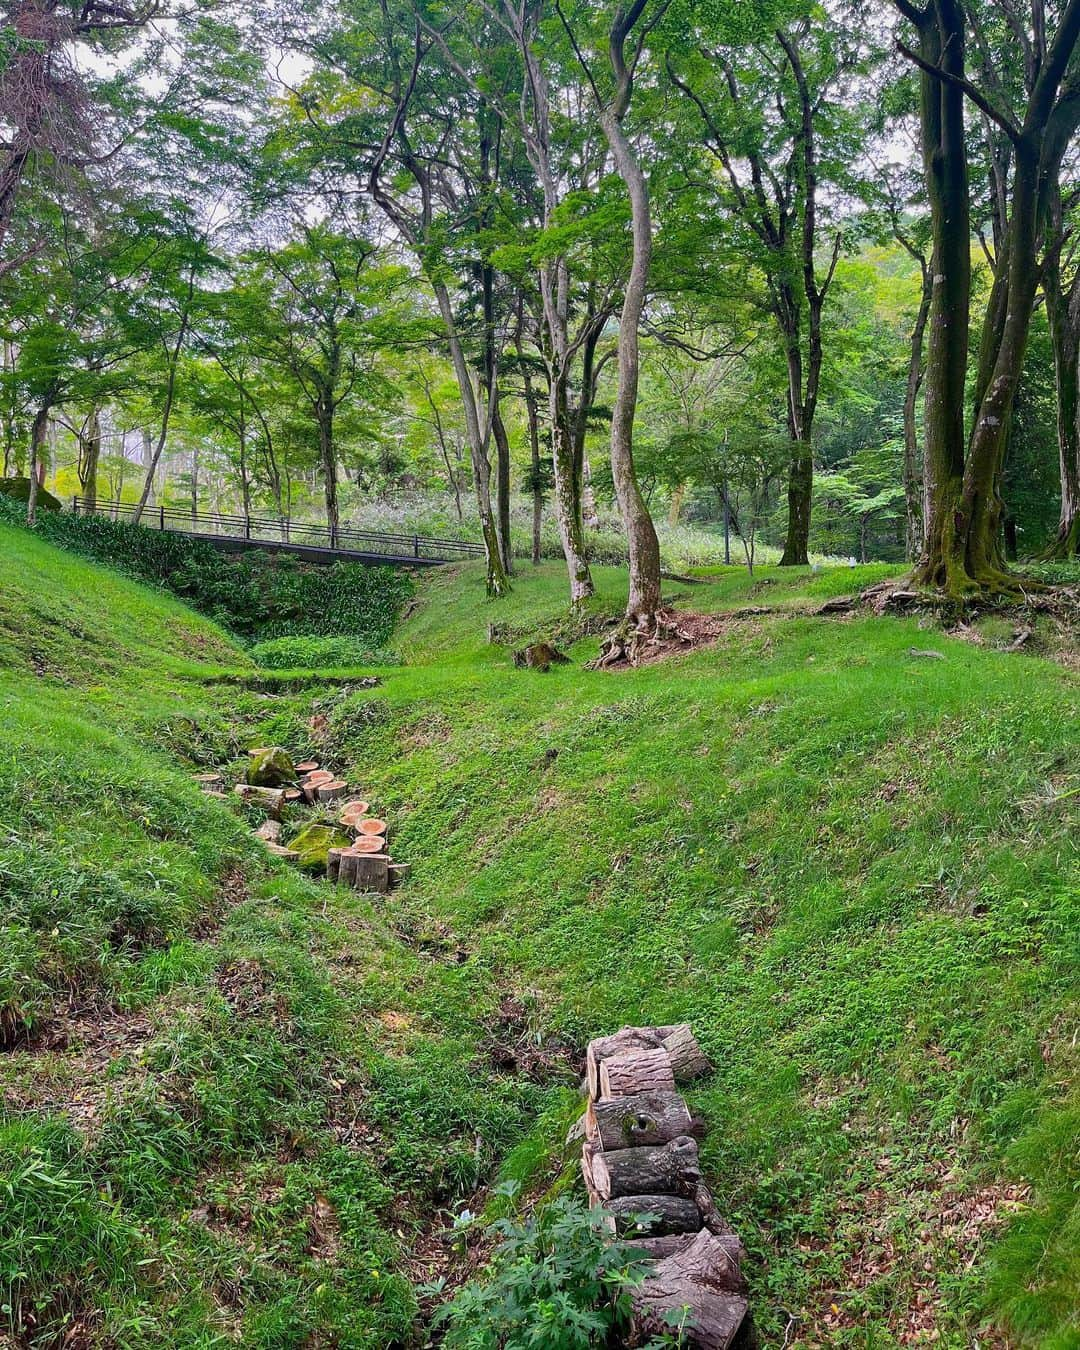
<point x="89" y="458"/>
<point x="1063" y="313"/>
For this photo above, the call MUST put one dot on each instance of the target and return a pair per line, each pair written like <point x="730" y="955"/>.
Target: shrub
<point x="555" y="1282"/>
<point x="257" y="595"/>
<point x="317" y="653"/>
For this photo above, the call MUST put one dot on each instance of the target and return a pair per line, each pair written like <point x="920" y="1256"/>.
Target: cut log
<point x="687" y="1057"/>
<point x="210" y="782"/>
<point x="636" y="1071"/>
<point x="347" y="868"/>
<point x="333" y="863"/>
<point x="293" y="795"/>
<point x="280" y="851"/>
<point x="657" y="1248"/>
<point x="376" y="828"/>
<point x="272" y="798"/>
<point x="332" y="791"/>
<point x="702" y="1283"/>
<point x="666" y="1214"/>
<point x="307" y="766"/>
<point x="588" y="1155"/>
<point x="666" y="1169"/>
<point x="646" y="1118"/>
<point x="629" y="1038"/>
<point x="270" y="830"/>
<point x="577" y="1132"/>
<point x="317" y="777"/>
<point x="372" y="873"/>
<point x="369" y="843"/>
<point x="354" y="808"/>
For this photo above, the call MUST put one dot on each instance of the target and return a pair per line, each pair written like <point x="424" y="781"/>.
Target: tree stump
<point x="700" y="1280"/>
<point x="636" y="1071"/>
<point x="270" y="831"/>
<point x="371" y="873"/>
<point x="629" y="1038"/>
<point x="273" y="799"/>
<point x="376" y="828"/>
<point x="333" y="863"/>
<point x="666" y="1169"/>
<point x="210" y="782"/>
<point x="332" y="791"/>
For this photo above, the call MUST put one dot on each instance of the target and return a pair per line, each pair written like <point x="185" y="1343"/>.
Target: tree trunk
<point x="536" y="472"/>
<point x="39" y="431"/>
<point x="89" y="457"/>
<point x="502" y="484"/>
<point x="1063" y="313"/>
<point x="324" y="414"/>
<point x="166" y="412"/>
<point x="644" y="602"/>
<point x="941" y="43"/>
<point x="914" y="508"/>
<point x="568" y="494"/>
<point x="497" y="581"/>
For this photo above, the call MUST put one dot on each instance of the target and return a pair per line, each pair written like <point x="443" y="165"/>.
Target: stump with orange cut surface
<point x="375" y="828"/>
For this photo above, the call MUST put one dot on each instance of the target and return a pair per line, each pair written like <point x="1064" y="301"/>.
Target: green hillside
<point x="242" y="1106"/>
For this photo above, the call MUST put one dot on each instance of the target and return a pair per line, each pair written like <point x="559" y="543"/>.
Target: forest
<point x="539" y="598"/>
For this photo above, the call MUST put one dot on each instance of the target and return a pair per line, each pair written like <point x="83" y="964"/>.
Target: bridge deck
<point x="313" y="543"/>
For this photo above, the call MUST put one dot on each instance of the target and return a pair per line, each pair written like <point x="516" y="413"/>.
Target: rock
<point x="271" y="768"/>
<point x="927" y="655"/>
<point x="314" y="842"/>
<point x="540" y="656"/>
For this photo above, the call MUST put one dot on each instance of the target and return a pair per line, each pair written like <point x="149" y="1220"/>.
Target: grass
<point x="851" y="867"/>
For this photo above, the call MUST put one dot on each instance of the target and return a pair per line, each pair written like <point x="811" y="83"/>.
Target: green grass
<point x="851" y="867"/>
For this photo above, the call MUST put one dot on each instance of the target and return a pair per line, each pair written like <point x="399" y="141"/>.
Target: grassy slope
<point x="849" y="867"/>
<point x="197" y="1088"/>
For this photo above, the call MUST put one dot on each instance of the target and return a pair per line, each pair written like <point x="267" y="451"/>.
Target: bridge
<point x="312" y="543"/>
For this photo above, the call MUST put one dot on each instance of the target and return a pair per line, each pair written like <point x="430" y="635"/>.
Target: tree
<point x="964" y="506"/>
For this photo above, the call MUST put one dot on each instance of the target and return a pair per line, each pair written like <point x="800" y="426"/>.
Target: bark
<point x="89" y="457"/>
<point x="667" y="1214"/>
<point x="664" y="1169"/>
<point x="324" y="415"/>
<point x="644" y="601"/>
<point x="914" y="508"/>
<point x="39" y="431"/>
<point x="502" y="484"/>
<point x="1063" y="313"/>
<point x="535" y="466"/>
<point x="636" y="1071"/>
<point x="170" y="398"/>
<point x="633" y="1122"/>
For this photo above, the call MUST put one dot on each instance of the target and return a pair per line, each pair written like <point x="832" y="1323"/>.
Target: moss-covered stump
<point x="271" y="768"/>
<point x="18" y="489"/>
<point x="314" y="842"/>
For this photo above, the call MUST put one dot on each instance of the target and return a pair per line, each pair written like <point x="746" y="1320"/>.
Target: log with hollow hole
<point x="645" y="1118"/>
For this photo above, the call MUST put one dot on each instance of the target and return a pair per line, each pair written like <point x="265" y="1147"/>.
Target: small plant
<point x="556" y="1281"/>
<point x="319" y="653"/>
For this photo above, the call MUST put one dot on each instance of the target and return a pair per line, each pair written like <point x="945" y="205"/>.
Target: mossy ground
<point x="852" y="868"/>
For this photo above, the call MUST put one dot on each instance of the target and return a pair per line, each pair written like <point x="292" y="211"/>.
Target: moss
<point x="18" y="489"/>
<point x="271" y="768"/>
<point x="314" y="842"/>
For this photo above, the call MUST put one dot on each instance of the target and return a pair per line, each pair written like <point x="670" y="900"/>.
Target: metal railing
<point x="272" y="530"/>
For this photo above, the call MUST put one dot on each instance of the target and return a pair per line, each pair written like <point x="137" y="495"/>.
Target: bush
<point x="319" y="653"/>
<point x="256" y="595"/>
<point x="555" y="1282"/>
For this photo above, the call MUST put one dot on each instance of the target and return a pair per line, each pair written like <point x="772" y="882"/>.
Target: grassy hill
<point x="242" y="1105"/>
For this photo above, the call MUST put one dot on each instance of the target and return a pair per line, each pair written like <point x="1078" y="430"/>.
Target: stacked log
<point x="640" y="1161"/>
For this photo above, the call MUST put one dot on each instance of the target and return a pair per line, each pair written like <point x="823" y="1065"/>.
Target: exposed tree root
<point x="631" y="642"/>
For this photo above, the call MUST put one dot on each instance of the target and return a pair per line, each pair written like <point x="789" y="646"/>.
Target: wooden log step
<point x="665" y="1169"/>
<point x="666" y="1214"/>
<point x="657" y="1248"/>
<point x="368" y="843"/>
<point x="635" y="1071"/>
<point x="332" y="791"/>
<point x="645" y="1118"/>
<point x="376" y="828"/>
<point x="700" y="1281"/>
<point x="687" y="1058"/>
<point x="603" y="1047"/>
<point x="273" y="799"/>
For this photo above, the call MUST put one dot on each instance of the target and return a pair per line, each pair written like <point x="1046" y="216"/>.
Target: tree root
<point x="631" y="642"/>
